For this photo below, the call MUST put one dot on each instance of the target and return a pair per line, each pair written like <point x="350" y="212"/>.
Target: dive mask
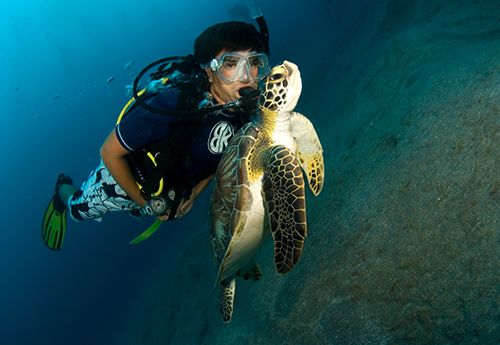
<point x="231" y="67"/>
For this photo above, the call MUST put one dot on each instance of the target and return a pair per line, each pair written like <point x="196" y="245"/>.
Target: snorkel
<point x="258" y="16"/>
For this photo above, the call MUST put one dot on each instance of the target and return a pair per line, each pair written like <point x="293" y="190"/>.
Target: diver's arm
<point x="200" y="187"/>
<point x="113" y="155"/>
<point x="185" y="205"/>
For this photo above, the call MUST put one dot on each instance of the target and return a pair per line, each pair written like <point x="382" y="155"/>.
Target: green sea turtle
<point x="260" y="174"/>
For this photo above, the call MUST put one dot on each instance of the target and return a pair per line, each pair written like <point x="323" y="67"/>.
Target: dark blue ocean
<point x="403" y="242"/>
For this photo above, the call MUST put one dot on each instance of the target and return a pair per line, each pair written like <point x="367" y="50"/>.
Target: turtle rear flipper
<point x="226" y="297"/>
<point x="251" y="271"/>
<point x="284" y="195"/>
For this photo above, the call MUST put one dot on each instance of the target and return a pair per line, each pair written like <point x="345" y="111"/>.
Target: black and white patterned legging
<point x="100" y="194"/>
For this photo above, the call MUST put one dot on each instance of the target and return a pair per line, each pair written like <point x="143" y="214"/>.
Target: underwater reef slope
<point x="403" y="244"/>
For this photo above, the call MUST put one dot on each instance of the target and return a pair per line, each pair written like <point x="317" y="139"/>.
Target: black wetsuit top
<point x="142" y="129"/>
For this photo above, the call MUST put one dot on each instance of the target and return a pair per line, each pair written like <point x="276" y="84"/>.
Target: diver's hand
<point x="187" y="202"/>
<point x="185" y="206"/>
<point x="164" y="217"/>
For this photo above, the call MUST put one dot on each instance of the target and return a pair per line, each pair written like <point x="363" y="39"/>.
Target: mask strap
<point x="264" y="31"/>
<point x="214" y="65"/>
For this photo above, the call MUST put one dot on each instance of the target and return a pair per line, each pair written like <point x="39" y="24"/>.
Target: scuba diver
<point x="170" y="136"/>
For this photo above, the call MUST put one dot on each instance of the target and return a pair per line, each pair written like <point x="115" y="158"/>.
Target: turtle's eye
<point x="277" y="77"/>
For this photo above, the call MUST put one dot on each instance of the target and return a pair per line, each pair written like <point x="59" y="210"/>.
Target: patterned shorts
<point x="99" y="195"/>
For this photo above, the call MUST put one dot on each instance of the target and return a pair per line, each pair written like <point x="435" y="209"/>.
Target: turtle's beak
<point x="294" y="88"/>
<point x="291" y="68"/>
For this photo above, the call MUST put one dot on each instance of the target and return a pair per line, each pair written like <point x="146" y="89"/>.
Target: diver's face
<point x="223" y="91"/>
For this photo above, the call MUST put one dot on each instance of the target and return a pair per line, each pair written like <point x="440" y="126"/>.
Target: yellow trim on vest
<point x="149" y="154"/>
<point x="128" y="105"/>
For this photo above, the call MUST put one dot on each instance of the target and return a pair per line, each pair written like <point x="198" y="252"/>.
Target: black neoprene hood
<point x="230" y="36"/>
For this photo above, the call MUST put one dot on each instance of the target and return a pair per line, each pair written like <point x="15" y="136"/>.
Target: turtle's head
<point x="282" y="88"/>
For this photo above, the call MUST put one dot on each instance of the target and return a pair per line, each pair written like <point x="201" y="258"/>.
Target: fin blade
<point x="146" y="234"/>
<point x="46" y="217"/>
<point x="54" y="227"/>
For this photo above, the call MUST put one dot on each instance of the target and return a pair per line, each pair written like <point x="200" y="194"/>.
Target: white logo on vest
<point x="219" y="137"/>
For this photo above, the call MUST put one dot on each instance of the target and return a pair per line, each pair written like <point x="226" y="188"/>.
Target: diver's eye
<point x="255" y="62"/>
<point x="229" y="65"/>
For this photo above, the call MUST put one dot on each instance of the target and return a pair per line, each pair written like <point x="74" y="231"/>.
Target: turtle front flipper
<point x="231" y="198"/>
<point x="226" y="298"/>
<point x="309" y="151"/>
<point x="284" y="195"/>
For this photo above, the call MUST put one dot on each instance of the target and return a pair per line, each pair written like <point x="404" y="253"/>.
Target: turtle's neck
<point x="271" y="122"/>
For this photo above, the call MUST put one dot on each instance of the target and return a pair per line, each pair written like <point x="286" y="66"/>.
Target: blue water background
<point x="57" y="59"/>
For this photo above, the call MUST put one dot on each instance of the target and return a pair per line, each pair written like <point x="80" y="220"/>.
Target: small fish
<point x="110" y="79"/>
<point x="128" y="64"/>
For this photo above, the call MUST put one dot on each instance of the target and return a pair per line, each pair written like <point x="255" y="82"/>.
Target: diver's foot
<point x="63" y="179"/>
<point x="54" y="218"/>
<point x="58" y="202"/>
